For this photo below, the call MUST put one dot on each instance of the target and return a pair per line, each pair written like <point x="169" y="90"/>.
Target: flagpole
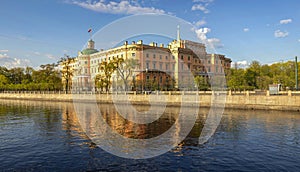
<point x="91" y="35"/>
<point x="90" y="31"/>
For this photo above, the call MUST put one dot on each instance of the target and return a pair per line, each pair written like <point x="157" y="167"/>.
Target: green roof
<point x="89" y="51"/>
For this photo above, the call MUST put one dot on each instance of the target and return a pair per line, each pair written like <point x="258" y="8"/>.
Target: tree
<point x="16" y="75"/>
<point x="3" y="82"/>
<point x="125" y="69"/>
<point x="66" y="71"/>
<point x="201" y="83"/>
<point x="28" y="75"/>
<point x="252" y="73"/>
<point x="236" y="79"/>
<point x="108" y="68"/>
<point x="99" y="82"/>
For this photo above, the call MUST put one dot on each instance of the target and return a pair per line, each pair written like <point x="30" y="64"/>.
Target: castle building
<point x="159" y="66"/>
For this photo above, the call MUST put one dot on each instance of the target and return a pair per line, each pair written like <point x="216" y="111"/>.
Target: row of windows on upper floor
<point x="97" y="61"/>
<point x="188" y="67"/>
<point x="147" y="63"/>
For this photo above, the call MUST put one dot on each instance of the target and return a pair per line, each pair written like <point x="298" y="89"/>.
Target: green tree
<point x="236" y="79"/>
<point x="125" y="69"/>
<point x="108" y="68"/>
<point x="201" y="83"/>
<point x="66" y="71"/>
<point x="3" y="82"/>
<point x="16" y="75"/>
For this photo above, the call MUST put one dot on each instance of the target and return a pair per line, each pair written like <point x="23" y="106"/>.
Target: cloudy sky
<point x="37" y="32"/>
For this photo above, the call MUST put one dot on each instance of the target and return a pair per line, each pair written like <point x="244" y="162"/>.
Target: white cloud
<point x="298" y="40"/>
<point x="200" y="7"/>
<point x="3" y="56"/>
<point x="210" y="42"/>
<point x="47" y="55"/>
<point x="285" y="21"/>
<point x="240" y="64"/>
<point x="9" y="62"/>
<point x="280" y="34"/>
<point x="200" y="23"/>
<point x="50" y="56"/>
<point x="37" y="53"/>
<point x="214" y="43"/>
<point x="246" y="29"/>
<point x="123" y="7"/>
<point x="3" y="51"/>
<point x="201" y="33"/>
<point x="204" y="1"/>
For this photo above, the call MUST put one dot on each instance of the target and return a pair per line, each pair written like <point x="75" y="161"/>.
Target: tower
<point x="91" y="44"/>
<point x="178" y="33"/>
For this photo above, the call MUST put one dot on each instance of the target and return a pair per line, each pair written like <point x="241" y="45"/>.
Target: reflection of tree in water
<point x="43" y="115"/>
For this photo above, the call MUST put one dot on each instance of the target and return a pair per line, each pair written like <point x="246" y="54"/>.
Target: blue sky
<point x="35" y="32"/>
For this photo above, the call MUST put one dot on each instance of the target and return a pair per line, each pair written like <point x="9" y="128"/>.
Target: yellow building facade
<point x="159" y="65"/>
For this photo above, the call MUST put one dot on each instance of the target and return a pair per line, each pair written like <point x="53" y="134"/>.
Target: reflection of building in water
<point x="117" y="123"/>
<point x="159" y="66"/>
<point x="70" y="121"/>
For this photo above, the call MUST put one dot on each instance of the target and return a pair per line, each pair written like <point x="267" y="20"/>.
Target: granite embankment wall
<point x="245" y="100"/>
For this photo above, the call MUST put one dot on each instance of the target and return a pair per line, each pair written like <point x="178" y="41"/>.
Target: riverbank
<point x="247" y="100"/>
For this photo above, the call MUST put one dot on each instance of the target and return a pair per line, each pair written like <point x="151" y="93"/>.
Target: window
<point x="173" y="66"/>
<point x="147" y="55"/>
<point x="160" y="66"/>
<point x="189" y="58"/>
<point x="121" y="55"/>
<point x="167" y="66"/>
<point x="154" y="56"/>
<point x="217" y="69"/>
<point x="181" y="57"/>
<point x="154" y="65"/>
<point x="160" y="79"/>
<point x="147" y="77"/>
<point x="189" y="66"/>
<point x="147" y="65"/>
<point x="173" y="57"/>
<point x="208" y="69"/>
<point x="160" y="57"/>
<point x="85" y="62"/>
<point x="133" y="54"/>
<point x="181" y="66"/>
<point x="208" y="61"/>
<point x="166" y="57"/>
<point x="85" y="70"/>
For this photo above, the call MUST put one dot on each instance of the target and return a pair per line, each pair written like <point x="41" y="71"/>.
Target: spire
<point x="178" y="33"/>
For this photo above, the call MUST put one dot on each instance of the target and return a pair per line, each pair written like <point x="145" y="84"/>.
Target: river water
<point x="47" y="136"/>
